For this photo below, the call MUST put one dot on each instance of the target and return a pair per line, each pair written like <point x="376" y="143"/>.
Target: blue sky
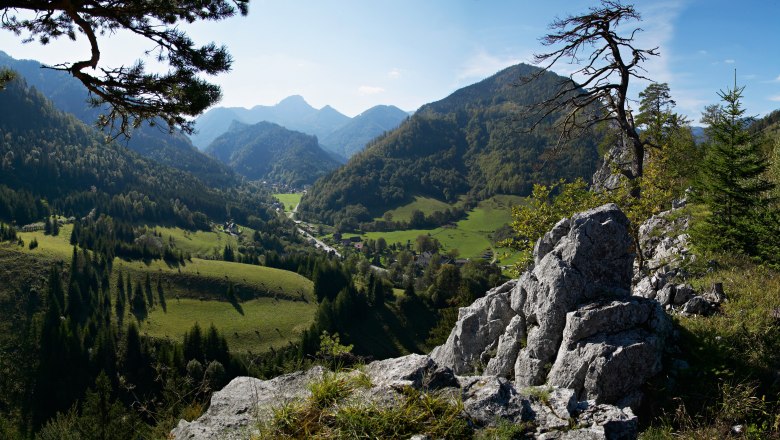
<point x="354" y="54"/>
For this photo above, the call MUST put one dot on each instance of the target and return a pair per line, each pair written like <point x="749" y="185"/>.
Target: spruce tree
<point x="731" y="182"/>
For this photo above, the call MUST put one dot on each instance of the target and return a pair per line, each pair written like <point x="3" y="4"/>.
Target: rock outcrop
<point x="616" y="165"/>
<point x="244" y="404"/>
<point x="565" y="348"/>
<point x="660" y="274"/>
<point x="571" y="321"/>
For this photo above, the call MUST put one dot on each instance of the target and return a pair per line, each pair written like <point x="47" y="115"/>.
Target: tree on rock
<point x="592" y="42"/>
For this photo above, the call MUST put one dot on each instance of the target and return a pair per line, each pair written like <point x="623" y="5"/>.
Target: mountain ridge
<point x="335" y="131"/>
<point x="268" y="151"/>
<point x="475" y="142"/>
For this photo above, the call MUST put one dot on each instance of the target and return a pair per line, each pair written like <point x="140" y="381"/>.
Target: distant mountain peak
<point x="294" y="101"/>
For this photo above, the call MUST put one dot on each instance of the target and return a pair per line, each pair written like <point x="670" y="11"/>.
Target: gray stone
<point x="682" y="293"/>
<point x="236" y="409"/>
<point x="509" y="344"/>
<point x="697" y="306"/>
<point x="478" y="327"/>
<point x="715" y="296"/>
<point x="645" y="288"/>
<point x="591" y="261"/>
<point x="488" y="399"/>
<point x="665" y="295"/>
<point x="419" y="371"/>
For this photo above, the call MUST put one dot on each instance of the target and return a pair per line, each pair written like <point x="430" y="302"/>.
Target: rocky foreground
<point x="565" y="348"/>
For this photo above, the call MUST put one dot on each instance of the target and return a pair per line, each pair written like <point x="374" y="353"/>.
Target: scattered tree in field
<point x="133" y="94"/>
<point x="592" y="42"/>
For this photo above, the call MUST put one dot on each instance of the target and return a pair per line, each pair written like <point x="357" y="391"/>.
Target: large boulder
<point x="572" y="321"/>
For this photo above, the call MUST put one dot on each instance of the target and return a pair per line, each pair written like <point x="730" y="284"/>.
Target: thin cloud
<point x="394" y="73"/>
<point x="370" y="90"/>
<point x="775" y="98"/>
<point x="729" y="61"/>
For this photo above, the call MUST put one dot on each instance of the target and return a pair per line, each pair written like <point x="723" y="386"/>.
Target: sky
<point x="354" y="54"/>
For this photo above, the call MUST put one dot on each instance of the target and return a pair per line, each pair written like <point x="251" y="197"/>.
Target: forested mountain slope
<point x="51" y="155"/>
<point x="363" y="128"/>
<point x="475" y="142"/>
<point x="173" y="149"/>
<point x="267" y="151"/>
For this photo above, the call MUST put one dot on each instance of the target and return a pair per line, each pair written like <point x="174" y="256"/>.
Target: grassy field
<point x="273" y="298"/>
<point x="200" y="243"/>
<point x="425" y="204"/>
<point x="290" y="201"/>
<point x="56" y="247"/>
<point x="470" y="236"/>
<point x="259" y="324"/>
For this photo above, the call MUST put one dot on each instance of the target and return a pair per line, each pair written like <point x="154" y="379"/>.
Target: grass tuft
<point x="329" y="413"/>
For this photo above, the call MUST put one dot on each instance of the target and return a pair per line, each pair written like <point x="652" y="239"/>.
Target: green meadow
<point x="253" y="326"/>
<point x="289" y="200"/>
<point x="470" y="236"/>
<point x="426" y="205"/>
<point x="200" y="243"/>
<point x="276" y="304"/>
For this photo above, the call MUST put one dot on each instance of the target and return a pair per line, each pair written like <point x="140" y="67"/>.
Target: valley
<point x="535" y="251"/>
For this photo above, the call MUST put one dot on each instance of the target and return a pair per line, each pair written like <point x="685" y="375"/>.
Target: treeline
<point x="418" y="220"/>
<point x="472" y="142"/>
<point x="7" y="233"/>
<point x="116" y="238"/>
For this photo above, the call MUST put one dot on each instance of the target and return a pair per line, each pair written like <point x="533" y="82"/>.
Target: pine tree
<point x="139" y="303"/>
<point x="732" y="182"/>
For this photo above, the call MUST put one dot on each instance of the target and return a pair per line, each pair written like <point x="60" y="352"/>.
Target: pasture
<point x="289" y="200"/>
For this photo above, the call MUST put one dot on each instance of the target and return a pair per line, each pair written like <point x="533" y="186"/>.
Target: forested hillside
<point x="474" y="142"/>
<point x="47" y="154"/>
<point x="154" y="142"/>
<point x="363" y="128"/>
<point x="266" y="151"/>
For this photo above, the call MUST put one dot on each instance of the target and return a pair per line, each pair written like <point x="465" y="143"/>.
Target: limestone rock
<point x="697" y="306"/>
<point x="246" y="402"/>
<point x="571" y="320"/>
<point x="418" y="370"/>
<point x="509" y="344"/>
<point x="235" y="410"/>
<point x="682" y="293"/>
<point x="477" y="331"/>
<point x="715" y="296"/>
